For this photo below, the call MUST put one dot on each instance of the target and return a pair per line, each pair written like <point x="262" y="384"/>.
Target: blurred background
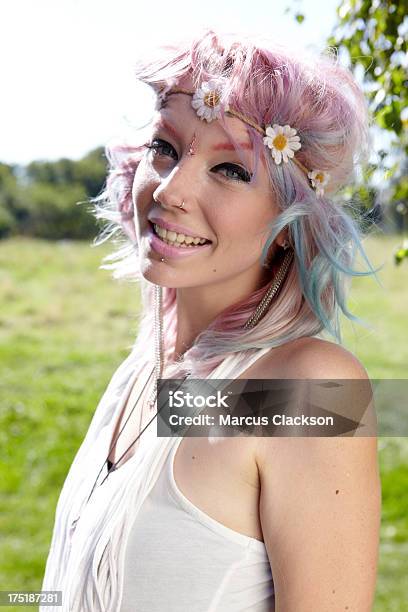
<point x="65" y="326"/>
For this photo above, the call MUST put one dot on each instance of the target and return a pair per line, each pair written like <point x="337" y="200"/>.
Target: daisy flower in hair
<point x="283" y="142"/>
<point x="206" y="99"/>
<point x="319" y="180"/>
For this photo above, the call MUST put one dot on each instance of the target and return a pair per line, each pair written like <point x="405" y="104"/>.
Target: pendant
<point x="73" y="526"/>
<point x="150" y="404"/>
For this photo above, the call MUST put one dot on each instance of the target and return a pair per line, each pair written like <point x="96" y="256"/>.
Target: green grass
<point x="64" y="328"/>
<point x="383" y="349"/>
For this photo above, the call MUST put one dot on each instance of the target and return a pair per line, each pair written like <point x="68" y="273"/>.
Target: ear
<point x="282" y="239"/>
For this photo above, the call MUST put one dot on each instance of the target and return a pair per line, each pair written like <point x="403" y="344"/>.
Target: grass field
<point x="64" y="328"/>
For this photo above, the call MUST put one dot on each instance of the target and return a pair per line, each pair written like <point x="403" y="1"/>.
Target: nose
<point x="174" y="189"/>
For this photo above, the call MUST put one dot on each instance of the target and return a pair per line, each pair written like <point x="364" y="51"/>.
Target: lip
<point x="173" y="227"/>
<point x="169" y="251"/>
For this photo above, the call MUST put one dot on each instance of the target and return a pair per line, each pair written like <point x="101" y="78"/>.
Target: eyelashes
<point x="161" y="144"/>
<point x="242" y="174"/>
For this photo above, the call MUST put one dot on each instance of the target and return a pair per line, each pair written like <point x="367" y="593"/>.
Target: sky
<point x="66" y="65"/>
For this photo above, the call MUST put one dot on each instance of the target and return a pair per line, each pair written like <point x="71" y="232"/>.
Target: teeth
<point x="175" y="239"/>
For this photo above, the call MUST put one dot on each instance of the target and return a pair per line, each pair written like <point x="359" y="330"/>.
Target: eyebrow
<point x="221" y="146"/>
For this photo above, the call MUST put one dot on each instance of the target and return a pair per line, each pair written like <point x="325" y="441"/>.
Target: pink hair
<point x="268" y="84"/>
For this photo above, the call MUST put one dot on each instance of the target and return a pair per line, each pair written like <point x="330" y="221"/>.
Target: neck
<point x="197" y="307"/>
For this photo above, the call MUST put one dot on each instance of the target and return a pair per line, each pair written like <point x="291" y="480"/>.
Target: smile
<point x="177" y="240"/>
<point x="172" y="244"/>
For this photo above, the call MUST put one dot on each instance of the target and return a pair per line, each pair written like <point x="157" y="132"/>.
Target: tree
<point x="372" y="36"/>
<point x="41" y="199"/>
<point x="9" y="200"/>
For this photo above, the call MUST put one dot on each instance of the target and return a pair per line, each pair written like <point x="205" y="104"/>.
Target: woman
<point x="240" y="249"/>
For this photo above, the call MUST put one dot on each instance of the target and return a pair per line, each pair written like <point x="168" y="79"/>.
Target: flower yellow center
<point x="279" y="142"/>
<point x="211" y="99"/>
<point x="320" y="177"/>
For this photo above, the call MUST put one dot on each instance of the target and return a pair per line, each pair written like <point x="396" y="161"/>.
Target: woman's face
<point x="220" y="204"/>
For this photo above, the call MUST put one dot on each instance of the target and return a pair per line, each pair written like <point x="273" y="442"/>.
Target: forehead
<point x="180" y="119"/>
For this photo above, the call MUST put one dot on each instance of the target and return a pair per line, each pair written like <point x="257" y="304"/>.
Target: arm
<point x="320" y="506"/>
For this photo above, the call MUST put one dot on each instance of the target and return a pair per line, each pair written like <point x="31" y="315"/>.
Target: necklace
<point x="157" y="369"/>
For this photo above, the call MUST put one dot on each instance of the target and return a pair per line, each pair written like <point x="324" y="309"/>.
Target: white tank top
<point x="179" y="559"/>
<point x="87" y="556"/>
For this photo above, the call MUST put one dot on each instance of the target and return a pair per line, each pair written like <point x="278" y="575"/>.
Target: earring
<point x="285" y="244"/>
<point x="270" y="294"/>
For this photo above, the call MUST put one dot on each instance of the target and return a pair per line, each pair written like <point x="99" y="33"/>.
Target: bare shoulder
<point x="313" y="358"/>
<point x="320" y="509"/>
<point x="320" y="500"/>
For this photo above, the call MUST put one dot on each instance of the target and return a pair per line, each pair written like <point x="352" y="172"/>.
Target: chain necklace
<point x="158" y="367"/>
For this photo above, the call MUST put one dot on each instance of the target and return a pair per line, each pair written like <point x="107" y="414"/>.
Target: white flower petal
<point x="277" y="155"/>
<point x="294" y="139"/>
<point x="295" y="146"/>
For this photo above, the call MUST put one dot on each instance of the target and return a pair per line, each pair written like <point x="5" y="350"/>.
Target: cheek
<point x="142" y="190"/>
<point x="246" y="231"/>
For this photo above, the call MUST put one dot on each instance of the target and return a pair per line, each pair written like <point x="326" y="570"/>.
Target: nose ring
<point x="181" y="205"/>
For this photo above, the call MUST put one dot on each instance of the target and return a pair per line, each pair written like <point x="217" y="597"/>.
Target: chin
<point x="159" y="273"/>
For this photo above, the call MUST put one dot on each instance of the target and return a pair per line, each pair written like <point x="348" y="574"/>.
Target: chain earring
<point x="270" y="294"/>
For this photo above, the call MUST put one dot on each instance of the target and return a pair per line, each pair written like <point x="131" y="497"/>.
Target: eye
<point x="157" y="145"/>
<point x="241" y="173"/>
<point x="161" y="144"/>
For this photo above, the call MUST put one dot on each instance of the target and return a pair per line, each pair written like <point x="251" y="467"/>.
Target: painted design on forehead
<point x="191" y="150"/>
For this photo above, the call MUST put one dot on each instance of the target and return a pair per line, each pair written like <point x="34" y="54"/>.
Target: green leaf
<point x="400" y="255"/>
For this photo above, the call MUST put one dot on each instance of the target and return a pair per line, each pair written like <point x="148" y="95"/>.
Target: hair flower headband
<point x="282" y="140"/>
<point x="206" y="100"/>
<point x="319" y="180"/>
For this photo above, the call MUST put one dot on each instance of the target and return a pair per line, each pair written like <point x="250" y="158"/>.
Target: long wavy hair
<point x="269" y="84"/>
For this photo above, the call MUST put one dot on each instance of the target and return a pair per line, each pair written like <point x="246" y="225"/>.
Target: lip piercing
<point x="181" y="205"/>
